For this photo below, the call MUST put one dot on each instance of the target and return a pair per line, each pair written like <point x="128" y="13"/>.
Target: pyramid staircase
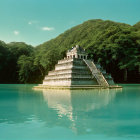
<point x="96" y="73"/>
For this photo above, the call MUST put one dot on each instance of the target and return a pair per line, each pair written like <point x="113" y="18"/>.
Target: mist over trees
<point x="116" y="46"/>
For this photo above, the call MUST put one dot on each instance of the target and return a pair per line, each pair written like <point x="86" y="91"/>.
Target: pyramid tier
<point x="74" y="63"/>
<point x="70" y="60"/>
<point x="66" y="60"/>
<point x="67" y="71"/>
<point x="68" y="75"/>
<point x="70" y="81"/>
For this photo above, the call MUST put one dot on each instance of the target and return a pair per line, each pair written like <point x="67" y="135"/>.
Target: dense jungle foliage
<point x="116" y="46"/>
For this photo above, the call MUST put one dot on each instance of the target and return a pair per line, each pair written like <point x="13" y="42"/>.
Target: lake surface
<point x="27" y="114"/>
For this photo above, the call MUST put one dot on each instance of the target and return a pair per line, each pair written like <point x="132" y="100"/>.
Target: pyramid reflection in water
<point x="76" y="106"/>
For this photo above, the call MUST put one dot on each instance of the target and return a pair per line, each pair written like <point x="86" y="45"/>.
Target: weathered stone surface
<point x="68" y="75"/>
<point x="75" y="69"/>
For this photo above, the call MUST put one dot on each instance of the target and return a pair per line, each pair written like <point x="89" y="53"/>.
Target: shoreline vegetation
<point x="116" y="46"/>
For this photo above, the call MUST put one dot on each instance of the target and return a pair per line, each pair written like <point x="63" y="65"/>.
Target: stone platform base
<point x="75" y="87"/>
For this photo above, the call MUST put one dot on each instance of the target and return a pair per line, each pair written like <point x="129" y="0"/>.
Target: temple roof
<point x="77" y="48"/>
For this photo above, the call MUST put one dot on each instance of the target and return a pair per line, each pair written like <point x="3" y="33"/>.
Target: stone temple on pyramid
<point x="76" y="71"/>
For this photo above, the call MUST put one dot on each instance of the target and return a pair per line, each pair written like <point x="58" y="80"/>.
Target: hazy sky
<point x="36" y="21"/>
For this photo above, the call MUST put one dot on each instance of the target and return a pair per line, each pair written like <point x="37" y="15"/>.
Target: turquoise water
<point x="27" y="114"/>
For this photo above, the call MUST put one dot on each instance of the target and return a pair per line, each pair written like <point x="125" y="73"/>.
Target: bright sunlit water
<point x="27" y="114"/>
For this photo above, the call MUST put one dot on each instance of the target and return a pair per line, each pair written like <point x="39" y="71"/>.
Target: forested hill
<point x="116" y="46"/>
<point x="137" y="26"/>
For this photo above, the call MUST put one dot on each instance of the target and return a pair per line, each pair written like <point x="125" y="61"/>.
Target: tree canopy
<point x="116" y="46"/>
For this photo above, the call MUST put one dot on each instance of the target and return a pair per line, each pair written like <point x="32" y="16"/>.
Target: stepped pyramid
<point x="76" y="70"/>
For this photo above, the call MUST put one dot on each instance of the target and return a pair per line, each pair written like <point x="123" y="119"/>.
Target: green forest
<point x="116" y="46"/>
